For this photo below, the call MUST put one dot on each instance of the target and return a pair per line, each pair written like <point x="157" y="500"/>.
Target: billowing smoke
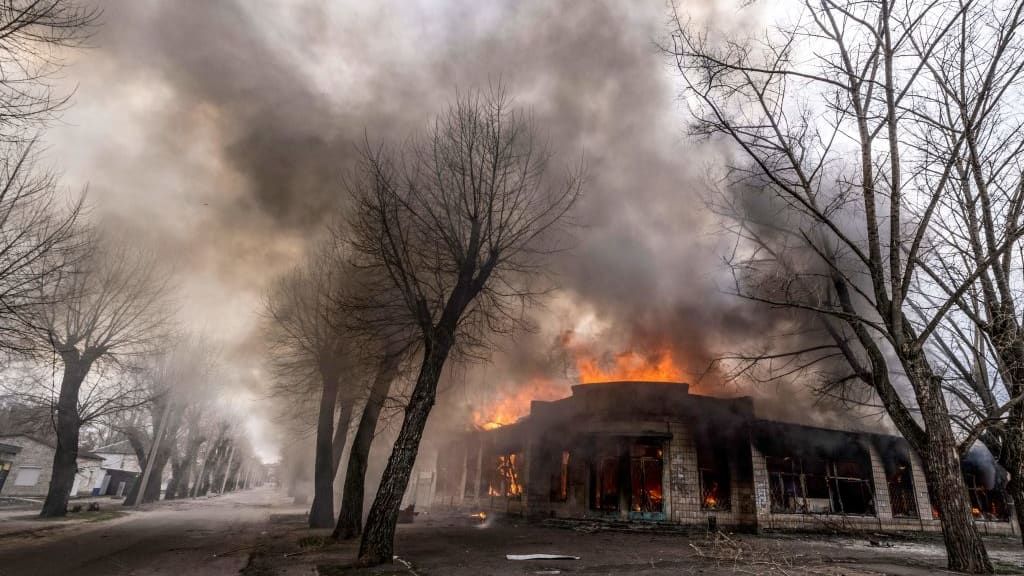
<point x="219" y="132"/>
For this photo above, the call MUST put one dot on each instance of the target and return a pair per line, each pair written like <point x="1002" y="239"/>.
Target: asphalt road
<point x="190" y="538"/>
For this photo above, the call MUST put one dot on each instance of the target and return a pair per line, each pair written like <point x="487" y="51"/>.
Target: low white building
<point x="120" y="468"/>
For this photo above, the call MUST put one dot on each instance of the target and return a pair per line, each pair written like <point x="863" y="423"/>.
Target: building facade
<point x="652" y="452"/>
<point x="31" y="467"/>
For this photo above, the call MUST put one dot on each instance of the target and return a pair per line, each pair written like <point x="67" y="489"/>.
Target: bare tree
<point x="104" y="396"/>
<point x="38" y="238"/>
<point x="185" y="454"/>
<point x="216" y="454"/>
<point x="350" y="518"/>
<point x="36" y="232"/>
<point x="154" y="443"/>
<point x="177" y="380"/>
<point x="456" y="223"/>
<point x="111" y="301"/>
<point x="33" y="35"/>
<point x="974" y="120"/>
<point x="983" y="405"/>
<point x="307" y="348"/>
<point x="848" y="142"/>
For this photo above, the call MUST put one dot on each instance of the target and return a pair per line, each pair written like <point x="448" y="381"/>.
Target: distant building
<point x="7" y="454"/>
<point x="120" y="469"/>
<point x="26" y="464"/>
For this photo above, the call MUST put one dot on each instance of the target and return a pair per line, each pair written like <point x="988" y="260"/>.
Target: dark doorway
<point x="606" y="484"/>
<point x="5" y="469"/>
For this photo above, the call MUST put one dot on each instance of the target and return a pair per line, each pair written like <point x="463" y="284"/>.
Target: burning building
<point x="651" y="451"/>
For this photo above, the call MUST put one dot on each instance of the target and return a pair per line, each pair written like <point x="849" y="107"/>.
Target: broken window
<point x="646" y="465"/>
<point x="786" y="485"/>
<point x="809" y="485"/>
<point x="986" y="504"/>
<point x="560" y="481"/>
<point x="899" y="478"/>
<point x="851" y="486"/>
<point x="713" y="465"/>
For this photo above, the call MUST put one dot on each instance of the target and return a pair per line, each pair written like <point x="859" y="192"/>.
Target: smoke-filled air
<point x="452" y="287"/>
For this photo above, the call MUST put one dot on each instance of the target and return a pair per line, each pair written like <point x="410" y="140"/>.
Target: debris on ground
<point x="724" y="550"/>
<point x="407" y="564"/>
<point x="540" y="557"/>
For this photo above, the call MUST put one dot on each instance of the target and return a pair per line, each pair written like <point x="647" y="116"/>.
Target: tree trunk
<point x="181" y="473"/>
<point x="161" y="454"/>
<point x="210" y="464"/>
<point x="152" y="493"/>
<point x="965" y="550"/>
<point x="65" y="456"/>
<point x="1010" y="347"/>
<point x="174" y="484"/>
<point x="378" y="542"/>
<point x="1015" y="487"/>
<point x="321" y="513"/>
<point x="350" y="519"/>
<point x="221" y="479"/>
<point x="1011" y="457"/>
<point x="152" y="489"/>
<point x="340" y="436"/>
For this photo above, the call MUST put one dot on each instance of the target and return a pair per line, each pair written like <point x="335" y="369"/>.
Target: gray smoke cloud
<point x="219" y="132"/>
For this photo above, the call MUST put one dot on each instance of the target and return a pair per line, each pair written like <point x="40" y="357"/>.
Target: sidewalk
<point x="22" y="520"/>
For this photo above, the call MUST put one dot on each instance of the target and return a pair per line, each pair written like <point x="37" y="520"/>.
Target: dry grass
<point x="748" y="557"/>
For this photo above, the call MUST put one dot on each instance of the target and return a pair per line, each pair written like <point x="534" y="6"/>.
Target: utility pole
<point x="157" y="436"/>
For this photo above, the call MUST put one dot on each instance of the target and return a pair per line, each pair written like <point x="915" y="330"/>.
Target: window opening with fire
<point x="715" y="481"/>
<point x="504" y="479"/>
<point x="987" y="493"/>
<point x="646" y="463"/>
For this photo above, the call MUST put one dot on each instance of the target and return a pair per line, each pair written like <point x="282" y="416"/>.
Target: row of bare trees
<point x="874" y="194"/>
<point x="86" y="328"/>
<point x="443" y="246"/>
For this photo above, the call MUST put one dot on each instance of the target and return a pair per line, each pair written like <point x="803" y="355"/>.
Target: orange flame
<point x="515" y="404"/>
<point x="658" y="366"/>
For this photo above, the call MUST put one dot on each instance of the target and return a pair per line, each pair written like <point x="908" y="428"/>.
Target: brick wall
<point x="683" y="482"/>
<point x="762" y="492"/>
<point x="33" y="454"/>
<point x="880" y="484"/>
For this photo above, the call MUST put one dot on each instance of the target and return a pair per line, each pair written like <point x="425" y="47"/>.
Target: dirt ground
<point x="262" y="533"/>
<point x="201" y="537"/>
<point x="451" y="544"/>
